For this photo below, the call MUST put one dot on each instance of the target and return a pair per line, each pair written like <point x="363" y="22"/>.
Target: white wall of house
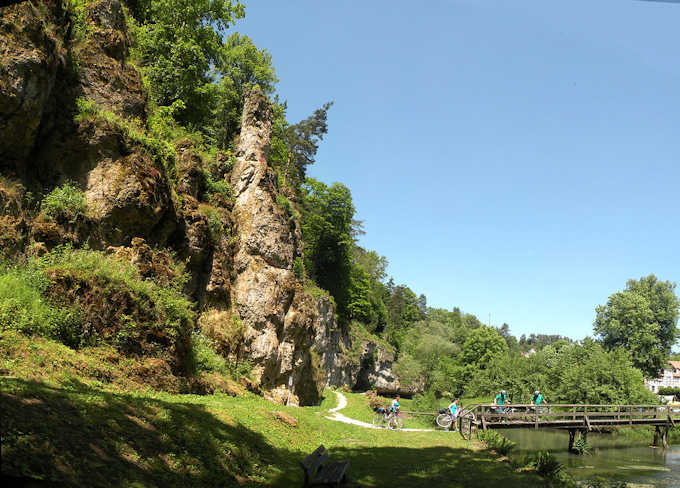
<point x="669" y="378"/>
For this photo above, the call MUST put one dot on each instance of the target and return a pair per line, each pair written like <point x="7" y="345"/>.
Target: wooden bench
<point x="319" y="474"/>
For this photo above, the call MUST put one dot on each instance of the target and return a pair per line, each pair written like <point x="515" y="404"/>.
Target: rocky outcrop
<point x="73" y="109"/>
<point x="279" y="318"/>
<point x="30" y="57"/>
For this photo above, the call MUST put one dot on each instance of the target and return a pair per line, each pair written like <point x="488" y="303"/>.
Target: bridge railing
<point x="569" y="413"/>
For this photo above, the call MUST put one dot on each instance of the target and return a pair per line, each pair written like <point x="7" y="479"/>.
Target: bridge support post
<point x="661" y="436"/>
<point x="572" y="437"/>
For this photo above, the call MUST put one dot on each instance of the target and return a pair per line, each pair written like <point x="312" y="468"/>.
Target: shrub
<point x="374" y="401"/>
<point x="494" y="440"/>
<point x="64" y="203"/>
<point x="667" y="390"/>
<point x="218" y="191"/>
<point x="204" y="357"/>
<point x="546" y="464"/>
<point x="581" y="445"/>
<point x="23" y="307"/>
<point x="299" y="268"/>
<point x="81" y="297"/>
<point x="426" y="401"/>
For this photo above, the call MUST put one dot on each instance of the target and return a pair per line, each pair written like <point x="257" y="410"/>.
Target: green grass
<point x="66" y="422"/>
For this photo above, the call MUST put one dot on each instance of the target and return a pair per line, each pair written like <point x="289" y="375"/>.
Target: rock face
<point x="68" y="107"/>
<point x="29" y="61"/>
<point x="279" y="318"/>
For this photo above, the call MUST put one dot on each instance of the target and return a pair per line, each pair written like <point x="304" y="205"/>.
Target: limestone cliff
<point x="72" y="109"/>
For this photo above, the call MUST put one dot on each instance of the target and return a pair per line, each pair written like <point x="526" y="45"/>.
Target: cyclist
<point x="394" y="406"/>
<point x="453" y="408"/>
<point x="500" y="399"/>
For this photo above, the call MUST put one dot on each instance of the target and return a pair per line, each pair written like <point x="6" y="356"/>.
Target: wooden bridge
<point x="572" y="417"/>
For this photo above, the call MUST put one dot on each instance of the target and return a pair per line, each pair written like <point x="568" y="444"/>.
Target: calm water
<point x="612" y="457"/>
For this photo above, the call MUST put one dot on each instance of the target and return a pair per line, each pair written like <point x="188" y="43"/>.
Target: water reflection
<point x="612" y="456"/>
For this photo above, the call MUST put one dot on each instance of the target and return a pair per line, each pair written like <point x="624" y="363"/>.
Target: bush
<point x="218" y="191"/>
<point x="204" y="357"/>
<point x="299" y="268"/>
<point x="426" y="401"/>
<point x="581" y="445"/>
<point x="64" y="203"/>
<point x="494" y="440"/>
<point x="667" y="390"/>
<point x="23" y="307"/>
<point x="546" y="464"/>
<point x="374" y="401"/>
<point x="81" y="297"/>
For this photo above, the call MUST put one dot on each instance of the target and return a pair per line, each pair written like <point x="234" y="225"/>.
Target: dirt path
<point x="338" y="417"/>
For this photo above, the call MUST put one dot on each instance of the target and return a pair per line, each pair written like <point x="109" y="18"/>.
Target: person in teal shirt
<point x="538" y="400"/>
<point x="453" y="408"/>
<point x="394" y="406"/>
<point x="500" y="399"/>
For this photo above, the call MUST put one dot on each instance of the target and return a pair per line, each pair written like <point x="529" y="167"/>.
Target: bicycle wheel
<point x="467" y="425"/>
<point x="378" y="419"/>
<point x="444" y="420"/>
<point x="396" y="423"/>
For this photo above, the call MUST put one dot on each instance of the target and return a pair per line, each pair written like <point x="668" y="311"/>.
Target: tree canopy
<point x="642" y="319"/>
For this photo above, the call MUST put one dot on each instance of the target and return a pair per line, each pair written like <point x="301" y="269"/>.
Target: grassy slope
<point x="60" y="425"/>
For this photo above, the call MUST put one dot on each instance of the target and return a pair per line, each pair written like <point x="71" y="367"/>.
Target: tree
<point x="241" y="66"/>
<point x="327" y="213"/>
<point x="294" y="146"/>
<point x="178" y="41"/>
<point x="642" y="319"/>
<point x="481" y="346"/>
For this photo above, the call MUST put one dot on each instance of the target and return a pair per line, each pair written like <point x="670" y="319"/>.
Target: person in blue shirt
<point x="453" y="408"/>
<point x="394" y="406"/>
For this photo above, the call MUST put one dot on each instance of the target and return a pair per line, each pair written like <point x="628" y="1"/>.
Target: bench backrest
<point x="313" y="462"/>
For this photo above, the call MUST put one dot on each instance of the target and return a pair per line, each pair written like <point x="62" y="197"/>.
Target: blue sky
<point x="519" y="159"/>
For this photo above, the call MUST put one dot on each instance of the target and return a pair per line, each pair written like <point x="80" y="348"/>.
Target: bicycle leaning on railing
<point x="465" y="421"/>
<point x="393" y="420"/>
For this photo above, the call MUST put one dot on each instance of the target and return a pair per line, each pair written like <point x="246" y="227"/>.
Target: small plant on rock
<point x="64" y="203"/>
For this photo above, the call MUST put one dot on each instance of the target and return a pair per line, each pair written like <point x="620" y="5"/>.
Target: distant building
<point x="670" y="377"/>
<point x="529" y="352"/>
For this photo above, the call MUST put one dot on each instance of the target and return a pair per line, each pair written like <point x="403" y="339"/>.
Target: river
<point x="612" y="457"/>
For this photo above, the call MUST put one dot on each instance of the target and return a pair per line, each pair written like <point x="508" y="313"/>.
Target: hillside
<point x="64" y="422"/>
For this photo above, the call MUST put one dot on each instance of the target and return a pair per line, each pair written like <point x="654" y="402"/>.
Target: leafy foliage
<point x="64" y="203"/>
<point x="82" y="297"/>
<point x="642" y="319"/>
<point x="502" y="445"/>
<point x="294" y="146"/>
<point x="546" y="464"/>
<point x="327" y="228"/>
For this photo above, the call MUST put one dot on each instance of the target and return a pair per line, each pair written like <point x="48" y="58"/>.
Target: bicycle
<point x="467" y="424"/>
<point x="445" y="419"/>
<point x="382" y="417"/>
<point x="396" y="421"/>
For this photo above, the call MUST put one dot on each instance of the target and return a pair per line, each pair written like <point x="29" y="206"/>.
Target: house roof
<point x="675" y="364"/>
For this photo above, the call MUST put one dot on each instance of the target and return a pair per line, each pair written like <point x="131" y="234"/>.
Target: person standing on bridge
<point x="538" y="400"/>
<point x="499" y="401"/>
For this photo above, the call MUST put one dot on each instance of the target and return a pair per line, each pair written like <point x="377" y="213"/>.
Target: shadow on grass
<point x="77" y="436"/>
<point x="83" y="437"/>
<point x="425" y="467"/>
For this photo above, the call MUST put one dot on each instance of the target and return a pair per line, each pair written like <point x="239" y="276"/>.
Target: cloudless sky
<point x="519" y="159"/>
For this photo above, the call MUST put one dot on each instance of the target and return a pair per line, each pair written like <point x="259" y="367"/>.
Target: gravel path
<point x="338" y="417"/>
